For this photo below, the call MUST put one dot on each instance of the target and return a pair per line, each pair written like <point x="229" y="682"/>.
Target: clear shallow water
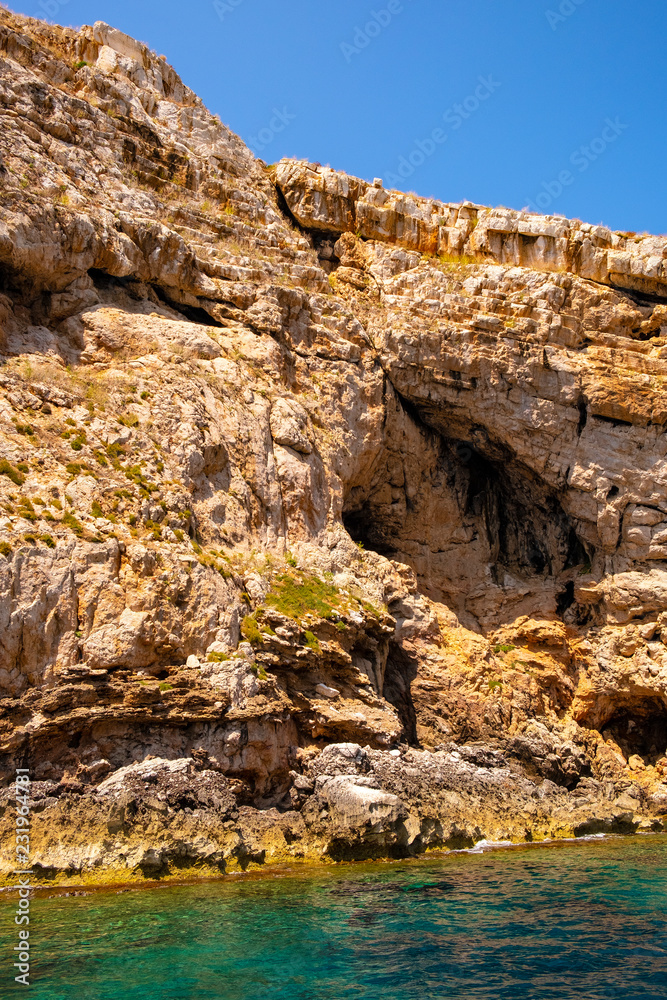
<point x="585" y="921"/>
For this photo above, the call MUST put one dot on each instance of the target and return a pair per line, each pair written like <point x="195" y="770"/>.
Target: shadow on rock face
<point x="640" y="729"/>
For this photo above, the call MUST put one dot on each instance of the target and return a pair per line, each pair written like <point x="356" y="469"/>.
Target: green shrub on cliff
<point x="250" y="631"/>
<point x="313" y="642"/>
<point x="71" y="522"/>
<point x="7" y="469"/>
<point x="296" y="596"/>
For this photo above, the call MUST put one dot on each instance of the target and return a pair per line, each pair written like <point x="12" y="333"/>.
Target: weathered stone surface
<point x="331" y="532"/>
<point x="324" y="199"/>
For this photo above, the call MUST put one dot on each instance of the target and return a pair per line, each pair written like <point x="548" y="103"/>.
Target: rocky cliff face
<point x="333" y="520"/>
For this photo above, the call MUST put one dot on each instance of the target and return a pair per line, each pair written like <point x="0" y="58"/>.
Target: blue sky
<point x="556" y="104"/>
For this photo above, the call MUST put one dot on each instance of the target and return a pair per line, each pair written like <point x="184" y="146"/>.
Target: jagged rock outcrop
<point x="333" y="521"/>
<point x="320" y="198"/>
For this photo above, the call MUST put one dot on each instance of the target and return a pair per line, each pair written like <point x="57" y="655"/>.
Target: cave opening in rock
<point x="192" y="314"/>
<point x="75" y="740"/>
<point x="400" y="672"/>
<point x="528" y="530"/>
<point x="565" y="599"/>
<point x="641" y="730"/>
<point x="493" y="511"/>
<point x="364" y="528"/>
<point x="103" y="280"/>
<point x="6" y="281"/>
<point x="324" y="243"/>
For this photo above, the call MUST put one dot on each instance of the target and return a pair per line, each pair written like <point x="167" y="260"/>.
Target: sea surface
<point x="584" y="920"/>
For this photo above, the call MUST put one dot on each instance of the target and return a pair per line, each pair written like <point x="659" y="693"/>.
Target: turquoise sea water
<point x="585" y="921"/>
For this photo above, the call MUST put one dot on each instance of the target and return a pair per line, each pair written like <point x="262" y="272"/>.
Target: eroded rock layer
<point x="333" y="520"/>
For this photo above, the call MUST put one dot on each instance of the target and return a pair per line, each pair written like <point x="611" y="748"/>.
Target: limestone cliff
<point x="333" y="520"/>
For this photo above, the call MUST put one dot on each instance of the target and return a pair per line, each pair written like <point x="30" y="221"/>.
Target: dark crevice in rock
<point x="565" y="599"/>
<point x="193" y="314"/>
<point x="324" y="243"/>
<point x="7" y="285"/>
<point x="639" y="729"/>
<point x="582" y="406"/>
<point x="287" y="212"/>
<point x="18" y="287"/>
<point x="322" y="240"/>
<point x="614" y="421"/>
<point x="540" y="760"/>
<point x="638" y="297"/>
<point x="344" y="850"/>
<point x="364" y="529"/>
<point x="400" y="672"/>
<point x="104" y="280"/>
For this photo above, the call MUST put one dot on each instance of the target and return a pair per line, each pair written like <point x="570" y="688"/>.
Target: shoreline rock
<point x="160" y="817"/>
